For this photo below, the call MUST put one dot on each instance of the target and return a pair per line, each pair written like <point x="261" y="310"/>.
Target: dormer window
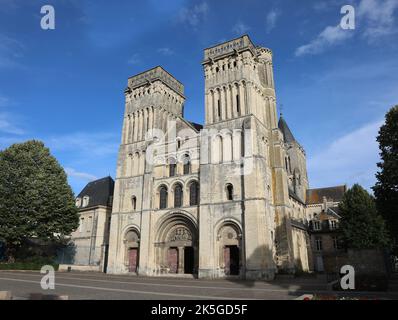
<point x="85" y="201"/>
<point x="333" y="224"/>
<point x="317" y="225"/>
<point x="78" y="202"/>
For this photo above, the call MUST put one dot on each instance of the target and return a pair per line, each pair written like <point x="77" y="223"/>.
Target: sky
<point x="65" y="86"/>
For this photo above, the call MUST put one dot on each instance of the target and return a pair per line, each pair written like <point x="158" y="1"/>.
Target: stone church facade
<point x="224" y="200"/>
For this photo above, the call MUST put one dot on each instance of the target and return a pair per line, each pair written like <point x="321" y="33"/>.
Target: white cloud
<point x="166" y="51"/>
<point x="349" y="159"/>
<point x="134" y="59"/>
<point x="374" y="20"/>
<point x="240" y="28"/>
<point x="7" y="125"/>
<point x="194" y="15"/>
<point x="80" y="175"/>
<point x="328" y="37"/>
<point x="271" y="19"/>
<point x="87" y="144"/>
<point x="377" y="18"/>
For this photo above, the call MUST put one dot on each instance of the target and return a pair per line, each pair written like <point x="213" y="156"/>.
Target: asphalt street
<point x="99" y="286"/>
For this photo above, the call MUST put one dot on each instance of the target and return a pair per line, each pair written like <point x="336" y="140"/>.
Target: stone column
<point x="150" y="118"/>
<point x="212" y="106"/>
<point x="126" y="130"/>
<point x="272" y="74"/>
<point x="222" y="104"/>
<point x="269" y="74"/>
<point x="209" y="108"/>
<point x="146" y="123"/>
<point x="234" y="106"/>
<point x="244" y="103"/>
<point x="131" y="129"/>
<point x="135" y="126"/>
<point x="274" y="120"/>
<point x="253" y="103"/>
<point x="142" y="124"/>
<point x="230" y="113"/>
<point x="180" y="260"/>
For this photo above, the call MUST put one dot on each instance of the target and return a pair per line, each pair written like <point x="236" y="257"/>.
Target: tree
<point x="386" y="188"/>
<point x="35" y="198"/>
<point x="361" y="225"/>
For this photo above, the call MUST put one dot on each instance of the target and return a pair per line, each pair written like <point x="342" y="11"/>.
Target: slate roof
<point x="335" y="194"/>
<point x="197" y="126"/>
<point x="334" y="211"/>
<point x="287" y="134"/>
<point x="100" y="192"/>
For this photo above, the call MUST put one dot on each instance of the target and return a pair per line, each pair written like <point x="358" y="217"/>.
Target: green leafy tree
<point x="386" y="188"/>
<point x="35" y="197"/>
<point x="361" y="225"/>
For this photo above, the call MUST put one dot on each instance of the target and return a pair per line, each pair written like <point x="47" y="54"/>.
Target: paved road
<point x="79" y="285"/>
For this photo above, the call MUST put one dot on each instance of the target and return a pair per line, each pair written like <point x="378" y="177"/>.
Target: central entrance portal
<point x="177" y="246"/>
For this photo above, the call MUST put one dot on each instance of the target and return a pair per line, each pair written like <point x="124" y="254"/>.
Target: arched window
<point x="172" y="167"/>
<point x="162" y="197"/>
<point x="178" y="196"/>
<point x="134" y="202"/>
<point x="238" y="104"/>
<point x="194" y="194"/>
<point x="187" y="164"/>
<point x="230" y="192"/>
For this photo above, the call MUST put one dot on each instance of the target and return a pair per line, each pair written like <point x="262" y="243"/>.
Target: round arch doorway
<point x="132" y="248"/>
<point x="230" y="249"/>
<point x="177" y="251"/>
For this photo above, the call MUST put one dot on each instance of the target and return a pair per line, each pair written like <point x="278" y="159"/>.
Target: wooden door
<point x="173" y="260"/>
<point x="133" y="259"/>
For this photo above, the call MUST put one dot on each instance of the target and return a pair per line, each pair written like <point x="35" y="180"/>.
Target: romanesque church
<point x="226" y="199"/>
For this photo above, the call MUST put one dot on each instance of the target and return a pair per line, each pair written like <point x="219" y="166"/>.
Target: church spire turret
<point x="287" y="133"/>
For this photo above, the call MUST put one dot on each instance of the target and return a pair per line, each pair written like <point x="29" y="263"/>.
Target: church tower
<point x="152" y="100"/>
<point x="239" y="166"/>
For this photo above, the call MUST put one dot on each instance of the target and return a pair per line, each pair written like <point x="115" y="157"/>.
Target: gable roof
<point x="335" y="194"/>
<point x="100" y="192"/>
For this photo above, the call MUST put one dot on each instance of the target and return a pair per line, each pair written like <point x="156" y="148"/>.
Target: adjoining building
<point x="90" y="242"/>
<point x="227" y="199"/>
<point x="323" y="216"/>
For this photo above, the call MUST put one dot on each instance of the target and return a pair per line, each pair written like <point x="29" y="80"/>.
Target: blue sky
<point x="65" y="86"/>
